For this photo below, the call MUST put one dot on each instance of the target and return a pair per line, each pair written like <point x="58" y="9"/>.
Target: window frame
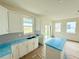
<point x="28" y="18"/>
<point x="71" y="30"/>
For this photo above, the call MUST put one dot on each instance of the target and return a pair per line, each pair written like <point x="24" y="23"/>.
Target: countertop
<point x="5" y="49"/>
<point x="12" y="38"/>
<point x="56" y="43"/>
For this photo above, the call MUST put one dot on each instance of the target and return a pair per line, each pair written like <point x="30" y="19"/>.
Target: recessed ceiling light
<point x="60" y="1"/>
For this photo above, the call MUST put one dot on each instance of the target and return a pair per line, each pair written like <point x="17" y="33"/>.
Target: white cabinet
<point x="30" y="45"/>
<point x="23" y="49"/>
<point x="36" y="42"/>
<point x="15" y="22"/>
<point x="52" y="53"/>
<point x="9" y="56"/>
<point x="15" y="51"/>
<point x="19" y="50"/>
<point x="3" y="20"/>
<point x="27" y="46"/>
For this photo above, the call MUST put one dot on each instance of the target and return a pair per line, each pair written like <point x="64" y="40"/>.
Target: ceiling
<point x="55" y="9"/>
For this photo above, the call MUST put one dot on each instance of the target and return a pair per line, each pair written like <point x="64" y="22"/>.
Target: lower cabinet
<point x="9" y="56"/>
<point x="15" y="51"/>
<point x="30" y="45"/>
<point x="23" y="48"/>
<point x="19" y="50"/>
<point x="35" y="42"/>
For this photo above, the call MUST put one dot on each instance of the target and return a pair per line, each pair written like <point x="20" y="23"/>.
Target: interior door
<point x="47" y="31"/>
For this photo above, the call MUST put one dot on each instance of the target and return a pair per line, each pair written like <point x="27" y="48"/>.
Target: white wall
<point x="63" y="33"/>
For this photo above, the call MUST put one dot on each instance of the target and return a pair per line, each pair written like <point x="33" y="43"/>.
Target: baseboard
<point x="74" y="41"/>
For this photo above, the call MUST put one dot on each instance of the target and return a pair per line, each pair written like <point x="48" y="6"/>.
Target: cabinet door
<point x="36" y="43"/>
<point x="3" y="20"/>
<point x="30" y="45"/>
<point x="15" y="51"/>
<point x="26" y="47"/>
<point x="15" y="22"/>
<point x="22" y="49"/>
<point x="6" y="57"/>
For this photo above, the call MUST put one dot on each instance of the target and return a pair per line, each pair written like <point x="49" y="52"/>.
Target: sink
<point x="31" y="37"/>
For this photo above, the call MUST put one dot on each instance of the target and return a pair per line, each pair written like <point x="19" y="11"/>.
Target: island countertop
<point x="56" y="43"/>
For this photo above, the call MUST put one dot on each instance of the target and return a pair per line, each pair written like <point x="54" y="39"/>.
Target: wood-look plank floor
<point x="71" y="51"/>
<point x="36" y="54"/>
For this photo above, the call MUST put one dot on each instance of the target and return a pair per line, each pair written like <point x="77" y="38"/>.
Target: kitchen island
<point x="55" y="48"/>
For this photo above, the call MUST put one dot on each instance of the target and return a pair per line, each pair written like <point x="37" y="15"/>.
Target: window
<point x="57" y="27"/>
<point x="71" y="27"/>
<point x="27" y="23"/>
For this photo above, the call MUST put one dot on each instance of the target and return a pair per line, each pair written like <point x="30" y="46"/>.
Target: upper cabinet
<point x="15" y="22"/>
<point x="3" y="20"/>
